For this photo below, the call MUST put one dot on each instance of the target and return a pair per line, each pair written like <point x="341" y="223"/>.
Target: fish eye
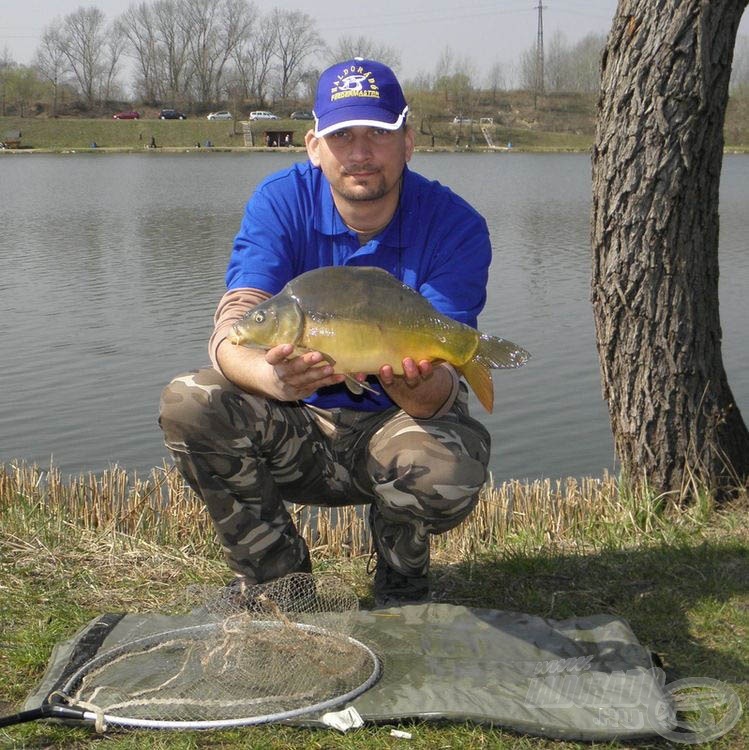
<point x="259" y="317"/>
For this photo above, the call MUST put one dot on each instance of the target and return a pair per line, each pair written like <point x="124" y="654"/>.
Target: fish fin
<point x="493" y="351"/>
<point x="299" y="350"/>
<point x="479" y="377"/>
<point x="358" y="387"/>
<point x="326" y="358"/>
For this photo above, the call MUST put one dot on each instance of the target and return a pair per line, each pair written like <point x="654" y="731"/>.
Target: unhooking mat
<point x="584" y="678"/>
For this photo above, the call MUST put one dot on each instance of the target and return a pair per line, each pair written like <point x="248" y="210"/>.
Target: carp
<point x="360" y="318"/>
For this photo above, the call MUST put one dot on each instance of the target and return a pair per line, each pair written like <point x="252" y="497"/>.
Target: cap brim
<point x="350" y="117"/>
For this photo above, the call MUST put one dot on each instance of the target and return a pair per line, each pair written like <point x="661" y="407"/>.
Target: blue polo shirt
<point x="435" y="243"/>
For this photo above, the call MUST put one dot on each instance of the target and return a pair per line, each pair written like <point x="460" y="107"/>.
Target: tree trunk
<point x="656" y="173"/>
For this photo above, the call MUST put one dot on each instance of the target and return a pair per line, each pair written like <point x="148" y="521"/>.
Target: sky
<point x="483" y="31"/>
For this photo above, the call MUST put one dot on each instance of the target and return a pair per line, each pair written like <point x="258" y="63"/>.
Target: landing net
<point x="275" y="651"/>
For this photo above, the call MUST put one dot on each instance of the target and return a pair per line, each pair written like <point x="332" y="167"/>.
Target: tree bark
<point x="654" y="229"/>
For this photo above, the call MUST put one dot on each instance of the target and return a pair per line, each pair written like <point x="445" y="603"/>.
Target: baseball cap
<point x="358" y="92"/>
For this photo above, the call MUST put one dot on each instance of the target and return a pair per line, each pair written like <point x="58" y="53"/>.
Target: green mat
<point x="584" y="678"/>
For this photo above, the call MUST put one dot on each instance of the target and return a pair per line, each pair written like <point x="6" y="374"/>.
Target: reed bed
<point x="161" y="509"/>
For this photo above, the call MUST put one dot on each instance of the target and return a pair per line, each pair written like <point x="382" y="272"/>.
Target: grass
<point x="74" y="547"/>
<point x="78" y="134"/>
<point x="555" y="121"/>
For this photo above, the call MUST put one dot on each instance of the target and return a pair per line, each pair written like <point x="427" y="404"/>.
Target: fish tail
<point x="493" y="351"/>
<point x="479" y="377"/>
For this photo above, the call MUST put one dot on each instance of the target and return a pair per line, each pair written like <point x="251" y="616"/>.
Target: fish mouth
<point x="235" y="336"/>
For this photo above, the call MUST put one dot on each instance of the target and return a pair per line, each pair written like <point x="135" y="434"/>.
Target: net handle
<point x="47" y="711"/>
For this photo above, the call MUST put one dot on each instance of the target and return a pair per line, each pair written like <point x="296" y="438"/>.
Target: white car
<point x="262" y="115"/>
<point x="220" y="116"/>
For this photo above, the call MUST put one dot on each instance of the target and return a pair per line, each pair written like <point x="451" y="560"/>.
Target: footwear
<point x="295" y="592"/>
<point x="394" y="589"/>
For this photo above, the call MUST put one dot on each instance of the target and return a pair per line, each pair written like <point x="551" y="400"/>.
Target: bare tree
<point x="573" y="68"/>
<point x="423" y="105"/>
<point x="201" y="24"/>
<point x="496" y="80"/>
<point x="297" y="38"/>
<point x="114" y="48"/>
<point x="454" y="79"/>
<point x="50" y="61"/>
<point x="83" y="40"/>
<point x="585" y="63"/>
<point x="445" y="63"/>
<point x="656" y="172"/>
<point x="556" y="63"/>
<point x="139" y="26"/>
<point x="253" y="60"/>
<point x="349" y="47"/>
<point x="172" y="51"/>
<point x="527" y="69"/>
<point x="214" y="31"/>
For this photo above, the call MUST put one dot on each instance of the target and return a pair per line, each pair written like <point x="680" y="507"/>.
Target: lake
<point x="112" y="266"/>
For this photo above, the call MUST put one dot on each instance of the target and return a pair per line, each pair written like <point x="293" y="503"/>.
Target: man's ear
<point x="410" y="142"/>
<point x="312" y="143"/>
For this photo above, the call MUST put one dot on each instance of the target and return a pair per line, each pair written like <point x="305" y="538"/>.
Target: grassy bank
<point x="72" y="548"/>
<point x="553" y="122"/>
<point x="68" y="134"/>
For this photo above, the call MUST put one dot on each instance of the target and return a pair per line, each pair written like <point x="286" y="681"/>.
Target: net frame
<point x="105" y="717"/>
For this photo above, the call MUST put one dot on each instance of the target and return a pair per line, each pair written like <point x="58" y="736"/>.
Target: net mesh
<point x="270" y="651"/>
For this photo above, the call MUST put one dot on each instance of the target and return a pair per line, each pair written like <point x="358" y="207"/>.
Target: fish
<point x="362" y="317"/>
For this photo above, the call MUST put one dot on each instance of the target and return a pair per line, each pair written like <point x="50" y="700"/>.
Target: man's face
<point x="362" y="163"/>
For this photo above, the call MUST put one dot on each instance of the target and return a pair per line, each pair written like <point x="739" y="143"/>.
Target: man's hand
<point x="413" y="373"/>
<point x="299" y="376"/>
<point x="422" y="390"/>
<point x="277" y="373"/>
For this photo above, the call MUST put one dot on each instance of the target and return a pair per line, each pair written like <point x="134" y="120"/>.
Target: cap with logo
<point x="358" y="92"/>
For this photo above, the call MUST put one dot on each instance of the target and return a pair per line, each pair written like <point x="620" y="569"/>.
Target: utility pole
<point x="539" y="88"/>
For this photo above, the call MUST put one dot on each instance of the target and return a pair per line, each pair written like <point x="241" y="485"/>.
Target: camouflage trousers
<point x="245" y="456"/>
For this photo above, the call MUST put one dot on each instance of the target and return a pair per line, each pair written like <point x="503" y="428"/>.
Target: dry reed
<point x="161" y="509"/>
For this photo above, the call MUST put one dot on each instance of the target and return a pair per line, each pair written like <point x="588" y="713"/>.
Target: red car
<point x="130" y="115"/>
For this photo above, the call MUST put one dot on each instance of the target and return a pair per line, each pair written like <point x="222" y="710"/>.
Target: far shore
<point x="540" y="131"/>
<point x="274" y="150"/>
<point x="466" y="149"/>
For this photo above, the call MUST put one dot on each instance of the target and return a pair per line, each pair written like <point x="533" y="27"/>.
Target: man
<point x="260" y="428"/>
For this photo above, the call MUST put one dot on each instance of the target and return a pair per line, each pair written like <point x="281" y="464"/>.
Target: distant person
<point x="261" y="428"/>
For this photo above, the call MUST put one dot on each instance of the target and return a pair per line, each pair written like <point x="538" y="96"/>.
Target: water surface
<point x="113" y="265"/>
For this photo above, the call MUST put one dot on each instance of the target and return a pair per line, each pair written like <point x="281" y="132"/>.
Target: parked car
<point x="220" y="116"/>
<point x="171" y="114"/>
<point x="129" y="115"/>
<point x="460" y="120"/>
<point x="263" y="115"/>
<point x="302" y="114"/>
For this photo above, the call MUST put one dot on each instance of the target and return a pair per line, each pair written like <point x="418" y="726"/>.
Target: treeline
<point x="201" y="54"/>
